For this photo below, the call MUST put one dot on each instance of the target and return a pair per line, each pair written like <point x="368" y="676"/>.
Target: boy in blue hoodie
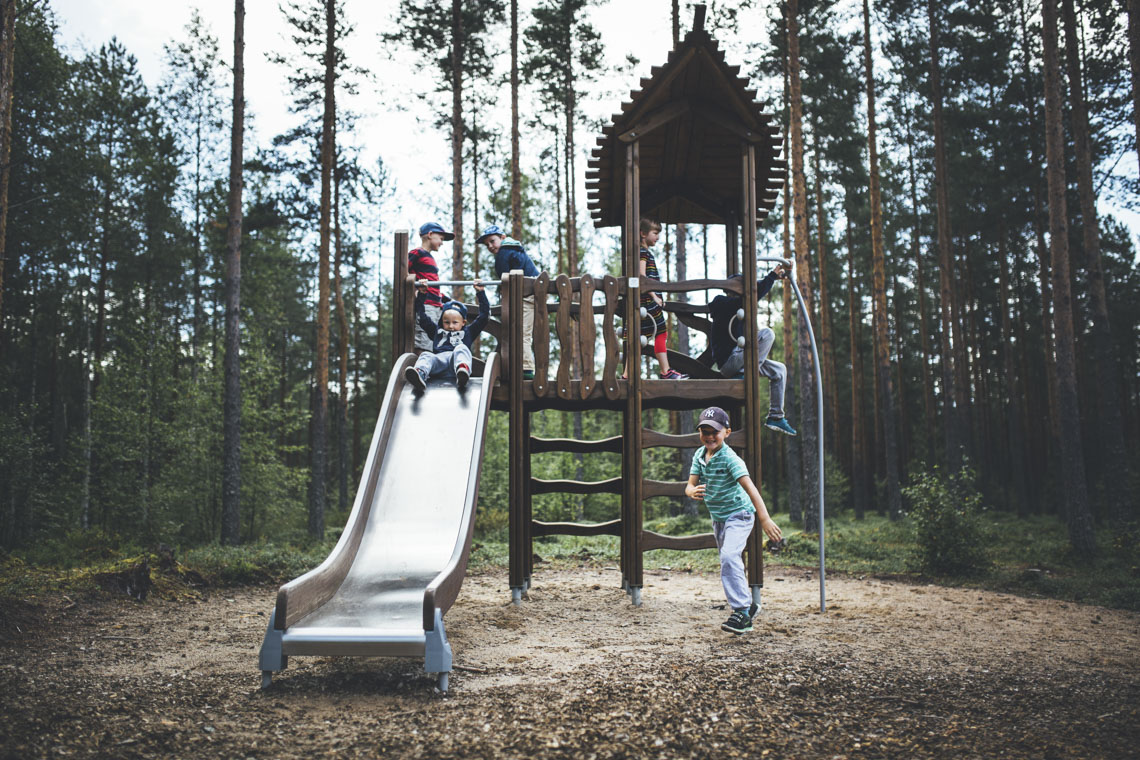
<point x="509" y="254"/>
<point x="452" y="338"/>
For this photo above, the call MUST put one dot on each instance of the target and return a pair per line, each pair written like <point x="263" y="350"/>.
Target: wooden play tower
<point x="692" y="145"/>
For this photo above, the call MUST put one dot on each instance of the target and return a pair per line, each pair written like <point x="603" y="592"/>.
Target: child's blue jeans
<point x="731" y="536"/>
<point x="437" y="364"/>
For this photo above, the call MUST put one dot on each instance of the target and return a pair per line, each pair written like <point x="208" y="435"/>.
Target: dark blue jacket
<point x="511" y="255"/>
<point x="722" y="309"/>
<point x="441" y="339"/>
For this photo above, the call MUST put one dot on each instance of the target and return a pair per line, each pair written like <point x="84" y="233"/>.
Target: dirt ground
<point x="892" y="670"/>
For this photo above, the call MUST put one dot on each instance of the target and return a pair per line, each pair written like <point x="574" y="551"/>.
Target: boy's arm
<point x="770" y="528"/>
<point x="480" y="321"/>
<point x="422" y="317"/>
<point x="763" y="287"/>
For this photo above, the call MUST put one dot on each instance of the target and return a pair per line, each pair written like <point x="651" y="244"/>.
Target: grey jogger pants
<point x="775" y="371"/>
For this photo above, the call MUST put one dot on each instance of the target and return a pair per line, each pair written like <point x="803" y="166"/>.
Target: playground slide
<point x="399" y="564"/>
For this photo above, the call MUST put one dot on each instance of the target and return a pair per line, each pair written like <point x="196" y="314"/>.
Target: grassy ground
<point x="1030" y="557"/>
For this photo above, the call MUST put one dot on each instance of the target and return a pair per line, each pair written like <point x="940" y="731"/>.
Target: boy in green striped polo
<point x="720" y="479"/>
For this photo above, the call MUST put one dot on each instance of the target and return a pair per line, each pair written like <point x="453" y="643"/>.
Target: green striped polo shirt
<point x="723" y="495"/>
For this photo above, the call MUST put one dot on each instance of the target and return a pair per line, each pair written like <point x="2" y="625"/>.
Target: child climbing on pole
<point x="421" y="263"/>
<point x="720" y="478"/>
<point x="451" y="340"/>
<point x="509" y="254"/>
<point x="727" y="340"/>
<point x="653" y="323"/>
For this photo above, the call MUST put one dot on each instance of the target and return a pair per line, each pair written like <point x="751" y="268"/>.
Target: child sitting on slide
<point x="451" y="339"/>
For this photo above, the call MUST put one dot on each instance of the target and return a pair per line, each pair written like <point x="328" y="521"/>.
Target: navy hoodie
<point x="443" y="340"/>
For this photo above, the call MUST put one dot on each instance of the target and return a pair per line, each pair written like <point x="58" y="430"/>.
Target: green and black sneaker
<point x="738" y="622"/>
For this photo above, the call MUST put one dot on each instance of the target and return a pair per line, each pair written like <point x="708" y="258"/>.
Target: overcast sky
<point x="418" y="156"/>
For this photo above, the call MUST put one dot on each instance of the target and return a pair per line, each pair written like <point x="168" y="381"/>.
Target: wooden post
<point x="732" y="246"/>
<point x="517" y="441"/>
<point x="631" y="442"/>
<point x="752" y="411"/>
<point x="527" y="500"/>
<point x="400" y="329"/>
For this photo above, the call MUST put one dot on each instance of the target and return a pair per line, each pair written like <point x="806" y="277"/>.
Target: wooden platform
<point x="675" y="395"/>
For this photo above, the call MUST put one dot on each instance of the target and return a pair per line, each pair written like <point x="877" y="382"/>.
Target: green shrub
<point x="492" y="523"/>
<point x="945" y="515"/>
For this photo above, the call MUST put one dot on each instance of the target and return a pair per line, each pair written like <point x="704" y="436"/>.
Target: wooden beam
<point x="656" y="119"/>
<point x="545" y="445"/>
<point x="613" y="485"/>
<point x="652" y="488"/>
<point x="611" y="528"/>
<point x="651" y="541"/>
<point x="651" y="438"/>
<point x="687" y="286"/>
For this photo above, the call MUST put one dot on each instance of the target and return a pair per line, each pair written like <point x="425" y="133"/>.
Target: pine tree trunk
<point x="859" y="464"/>
<point x="1048" y="431"/>
<point x="457" y="43"/>
<point x="1012" y="394"/>
<point x="342" y="348"/>
<point x="928" y="414"/>
<point x="803" y="274"/>
<point x="826" y="350"/>
<point x="356" y="346"/>
<point x="1134" y="59"/>
<point x="231" y="425"/>
<point x="88" y="371"/>
<point x="516" y="170"/>
<point x="793" y="471"/>
<point x="318" y="487"/>
<point x="879" y="288"/>
<point x="7" y="84"/>
<point x="1114" y="464"/>
<point x="904" y="420"/>
<point x="950" y="392"/>
<point x="1072" y="457"/>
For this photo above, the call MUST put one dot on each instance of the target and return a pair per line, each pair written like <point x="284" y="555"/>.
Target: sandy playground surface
<point x="892" y="670"/>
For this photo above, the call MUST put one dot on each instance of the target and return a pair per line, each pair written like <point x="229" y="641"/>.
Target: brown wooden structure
<point x="690" y="146"/>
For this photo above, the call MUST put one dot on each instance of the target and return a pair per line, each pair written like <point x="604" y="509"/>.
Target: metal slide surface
<point x="416" y="518"/>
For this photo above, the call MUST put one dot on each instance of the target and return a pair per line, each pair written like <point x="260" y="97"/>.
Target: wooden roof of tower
<point x="690" y="117"/>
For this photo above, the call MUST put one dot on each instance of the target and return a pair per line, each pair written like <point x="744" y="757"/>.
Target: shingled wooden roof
<point x="690" y="117"/>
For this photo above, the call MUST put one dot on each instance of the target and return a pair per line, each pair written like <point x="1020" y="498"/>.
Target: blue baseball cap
<point x="494" y="229"/>
<point x="431" y="227"/>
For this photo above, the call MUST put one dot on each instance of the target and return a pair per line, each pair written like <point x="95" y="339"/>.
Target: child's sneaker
<point x="673" y="374"/>
<point x="528" y="374"/>
<point x="738" y="622"/>
<point x="415" y="379"/>
<point x="780" y="425"/>
<point x="462" y="375"/>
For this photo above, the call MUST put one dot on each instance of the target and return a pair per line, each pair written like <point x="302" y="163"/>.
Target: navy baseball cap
<point x="494" y="229"/>
<point x="431" y="227"/>
<point x="453" y="306"/>
<point x="714" y="417"/>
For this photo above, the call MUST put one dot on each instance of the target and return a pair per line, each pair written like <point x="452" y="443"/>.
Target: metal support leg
<point x="437" y="652"/>
<point x="635" y="592"/>
<point x="516" y="596"/>
<point x="756" y="599"/>
<point x="271" y="659"/>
